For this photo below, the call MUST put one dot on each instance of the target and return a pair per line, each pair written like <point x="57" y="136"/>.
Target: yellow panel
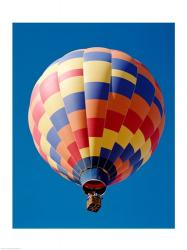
<point x="124" y="75"/>
<point x="124" y="136"/>
<point x="137" y="140"/>
<point x="146" y="148"/>
<point x="97" y="71"/>
<point x="52" y="163"/>
<point x="95" y="145"/>
<point x="53" y="103"/>
<point x="146" y="158"/>
<point x="45" y="146"/>
<point x="44" y="124"/>
<point x="85" y="152"/>
<point x="50" y="70"/>
<point x="75" y="63"/>
<point x="72" y="85"/>
<point x="109" y="138"/>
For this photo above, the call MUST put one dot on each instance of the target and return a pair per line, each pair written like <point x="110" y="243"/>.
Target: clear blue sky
<point x="43" y="199"/>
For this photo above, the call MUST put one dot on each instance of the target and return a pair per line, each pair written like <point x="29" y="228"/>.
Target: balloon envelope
<point x="96" y="116"/>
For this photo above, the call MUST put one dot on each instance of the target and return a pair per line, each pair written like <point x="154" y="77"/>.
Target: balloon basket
<point x="93" y="202"/>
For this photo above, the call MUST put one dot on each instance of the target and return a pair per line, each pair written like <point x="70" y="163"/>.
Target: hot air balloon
<point x="96" y="116"/>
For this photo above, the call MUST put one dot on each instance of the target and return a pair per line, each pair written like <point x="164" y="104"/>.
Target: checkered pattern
<point x="96" y="108"/>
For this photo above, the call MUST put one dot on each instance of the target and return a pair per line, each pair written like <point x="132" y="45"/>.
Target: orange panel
<point x="96" y="108"/>
<point x="77" y="119"/>
<point x="118" y="162"/>
<point x="118" y="103"/>
<point x="66" y="135"/>
<point x="123" y="56"/>
<point x="139" y="106"/>
<point x="161" y="126"/>
<point x="67" y="167"/>
<point x="62" y="151"/>
<point x="154" y="115"/>
<point x="126" y="173"/>
<point x="122" y="167"/>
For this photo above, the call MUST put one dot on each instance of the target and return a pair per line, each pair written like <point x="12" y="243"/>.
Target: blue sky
<point x="43" y="199"/>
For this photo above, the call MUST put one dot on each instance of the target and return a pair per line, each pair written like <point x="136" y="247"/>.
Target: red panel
<point x="154" y="147"/>
<point x="95" y="127"/>
<point x="154" y="140"/>
<point x="114" y="120"/>
<point x="81" y="137"/>
<point x="36" y="135"/>
<point x="49" y="86"/>
<point x="147" y="128"/>
<point x="132" y="121"/>
<point x="74" y="151"/>
<point x="94" y="184"/>
<point x="34" y="92"/>
<point x="38" y="111"/>
<point x="71" y="161"/>
<point x="71" y="73"/>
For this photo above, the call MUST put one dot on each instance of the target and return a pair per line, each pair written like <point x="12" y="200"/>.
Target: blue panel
<point x="53" y="138"/>
<point x="108" y="166"/>
<point x="122" y="86"/>
<point x="137" y="165"/>
<point x="94" y="161"/>
<point x="156" y="101"/>
<point x="59" y="119"/>
<point x="103" y="163"/>
<point x="97" y="56"/>
<point x="135" y="158"/>
<point x="74" y="102"/>
<point x="87" y="162"/>
<point x="145" y="89"/>
<point x="54" y="156"/>
<point x="73" y="54"/>
<point x="93" y="173"/>
<point x="128" y="151"/>
<point x="81" y="166"/>
<point x="105" y="153"/>
<point x="76" y="171"/>
<point x="124" y="65"/>
<point x="113" y="173"/>
<point x="62" y="170"/>
<point x="96" y="90"/>
<point x="116" y="151"/>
